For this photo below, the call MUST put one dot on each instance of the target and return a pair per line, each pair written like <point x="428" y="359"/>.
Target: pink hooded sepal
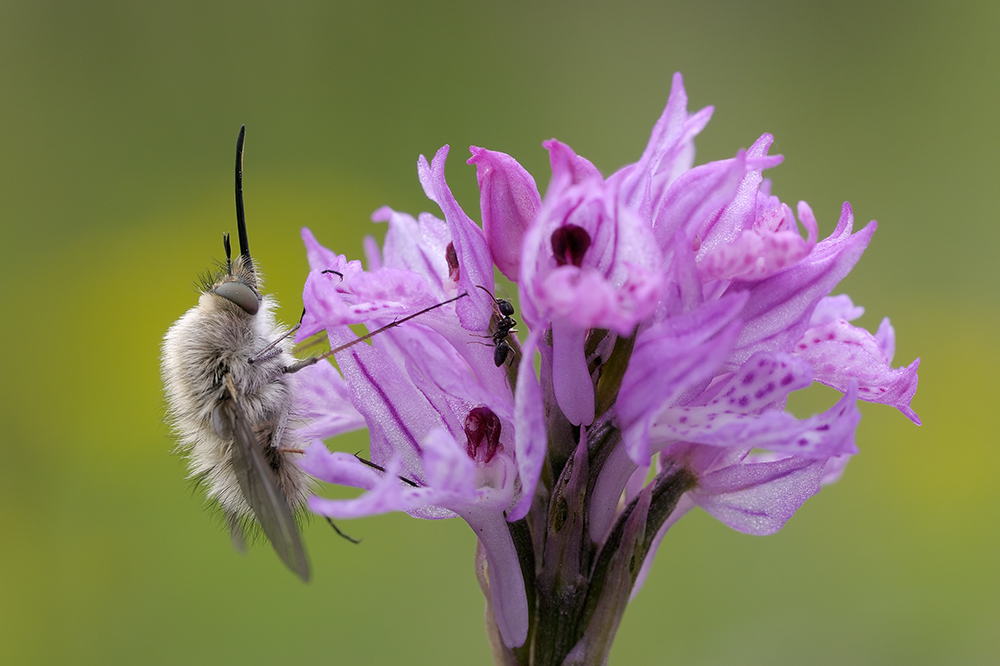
<point x="509" y="200"/>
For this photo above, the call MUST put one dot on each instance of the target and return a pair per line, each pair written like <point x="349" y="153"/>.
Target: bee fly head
<point x="239" y="283"/>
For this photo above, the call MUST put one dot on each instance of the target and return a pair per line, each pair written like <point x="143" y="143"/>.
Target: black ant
<point x="505" y="326"/>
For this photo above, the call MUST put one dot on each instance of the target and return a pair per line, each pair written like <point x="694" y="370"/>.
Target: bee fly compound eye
<point x="241" y="295"/>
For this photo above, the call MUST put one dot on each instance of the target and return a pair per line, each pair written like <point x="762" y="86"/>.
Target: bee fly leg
<point x="412" y="484"/>
<point x="305" y="363"/>
<point x="337" y="530"/>
<point x="269" y="351"/>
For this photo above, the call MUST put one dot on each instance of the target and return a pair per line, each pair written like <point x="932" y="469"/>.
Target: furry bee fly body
<point x="230" y="401"/>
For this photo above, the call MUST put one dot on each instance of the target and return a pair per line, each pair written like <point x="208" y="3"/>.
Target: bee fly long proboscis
<point x="227" y="370"/>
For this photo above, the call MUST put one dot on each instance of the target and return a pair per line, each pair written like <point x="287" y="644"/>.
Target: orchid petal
<point x="389" y="493"/>
<point x="819" y="437"/>
<point x="780" y="307"/>
<point x="476" y="265"/>
<point x="507" y="591"/>
<point x="759" y="498"/>
<point x="740" y="213"/>
<point x="885" y="336"/>
<point x="832" y="308"/>
<point x="509" y="201"/>
<point x="413" y="245"/>
<point x="669" y="359"/>
<point x="574" y="388"/>
<point x="338" y="467"/>
<point x="696" y="194"/>
<point x="568" y="168"/>
<point x="530" y="438"/>
<point x="841" y="353"/>
<point x="323" y="400"/>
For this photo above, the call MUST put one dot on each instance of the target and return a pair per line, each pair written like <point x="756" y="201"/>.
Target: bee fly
<point x="230" y="400"/>
<point x="228" y="375"/>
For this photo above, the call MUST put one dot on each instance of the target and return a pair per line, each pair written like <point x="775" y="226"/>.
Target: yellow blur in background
<point x="117" y="129"/>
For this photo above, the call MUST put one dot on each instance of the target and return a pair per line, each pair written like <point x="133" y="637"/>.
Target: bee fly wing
<point x="261" y="490"/>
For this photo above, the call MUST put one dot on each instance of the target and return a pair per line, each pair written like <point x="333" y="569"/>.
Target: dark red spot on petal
<point x="482" y="432"/>
<point x="452" y="257"/>
<point x="569" y="244"/>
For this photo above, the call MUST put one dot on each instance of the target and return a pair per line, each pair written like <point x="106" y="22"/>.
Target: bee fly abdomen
<point x="200" y="350"/>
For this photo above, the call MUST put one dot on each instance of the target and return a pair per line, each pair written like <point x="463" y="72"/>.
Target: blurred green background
<point x="117" y="126"/>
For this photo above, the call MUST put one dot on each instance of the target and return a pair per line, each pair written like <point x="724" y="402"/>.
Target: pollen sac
<point x="452" y="257"/>
<point x="482" y="432"/>
<point x="569" y="244"/>
<point x="241" y="295"/>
